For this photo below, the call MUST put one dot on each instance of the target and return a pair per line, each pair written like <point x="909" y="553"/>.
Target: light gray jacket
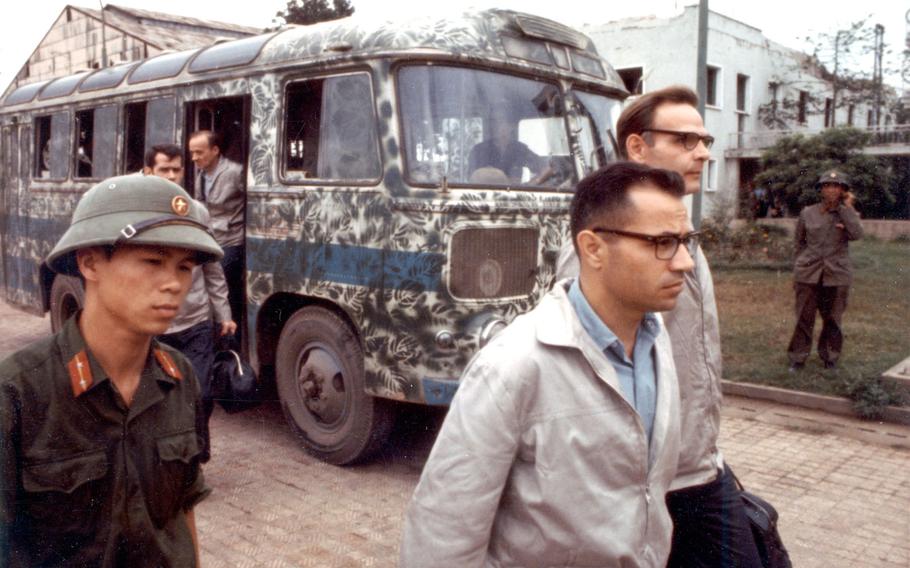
<point x="542" y="462"/>
<point x="208" y="293"/>
<point x="225" y="197"/>
<point x="695" y="334"/>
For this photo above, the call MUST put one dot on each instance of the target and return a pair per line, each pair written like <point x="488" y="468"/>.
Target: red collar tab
<point x="167" y="364"/>
<point x="80" y="373"/>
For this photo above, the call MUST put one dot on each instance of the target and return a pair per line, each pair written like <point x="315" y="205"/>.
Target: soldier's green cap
<point x="136" y="210"/>
<point x="835" y="177"/>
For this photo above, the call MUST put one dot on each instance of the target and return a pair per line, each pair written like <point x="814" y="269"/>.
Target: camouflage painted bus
<point x="383" y="244"/>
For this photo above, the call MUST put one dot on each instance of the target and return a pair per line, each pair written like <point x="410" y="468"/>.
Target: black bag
<point x="234" y="383"/>
<point x="763" y="521"/>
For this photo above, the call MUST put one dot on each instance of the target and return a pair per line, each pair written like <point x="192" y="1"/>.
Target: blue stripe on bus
<point x="18" y="272"/>
<point x="347" y="264"/>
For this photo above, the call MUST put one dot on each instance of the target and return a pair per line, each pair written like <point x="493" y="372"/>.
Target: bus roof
<point x="499" y="34"/>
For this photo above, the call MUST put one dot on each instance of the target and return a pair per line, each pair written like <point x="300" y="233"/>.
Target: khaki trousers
<point x="830" y="302"/>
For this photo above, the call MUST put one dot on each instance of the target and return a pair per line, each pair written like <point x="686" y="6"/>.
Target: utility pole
<point x="877" y="73"/>
<point x="103" y="37"/>
<point x="701" y="83"/>
<point x="835" y="86"/>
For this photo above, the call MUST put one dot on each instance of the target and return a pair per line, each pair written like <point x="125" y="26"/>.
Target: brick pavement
<point x="842" y="486"/>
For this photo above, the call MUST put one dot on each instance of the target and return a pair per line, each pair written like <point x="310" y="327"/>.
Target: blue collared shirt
<point x="638" y="377"/>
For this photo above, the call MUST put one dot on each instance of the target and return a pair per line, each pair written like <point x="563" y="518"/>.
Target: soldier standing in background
<point x="822" y="272"/>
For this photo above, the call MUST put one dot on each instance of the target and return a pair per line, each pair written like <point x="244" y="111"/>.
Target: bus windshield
<point x="483" y="128"/>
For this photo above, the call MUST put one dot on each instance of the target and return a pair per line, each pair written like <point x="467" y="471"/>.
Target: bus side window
<point x="331" y="129"/>
<point x="42" y="147"/>
<point x="51" y="151"/>
<point x="85" y="147"/>
<point x="134" y="141"/>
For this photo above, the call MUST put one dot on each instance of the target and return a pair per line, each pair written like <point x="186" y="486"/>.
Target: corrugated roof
<point x="167" y="31"/>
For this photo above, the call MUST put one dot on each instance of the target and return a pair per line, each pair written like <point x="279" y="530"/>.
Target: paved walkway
<point x="842" y="486"/>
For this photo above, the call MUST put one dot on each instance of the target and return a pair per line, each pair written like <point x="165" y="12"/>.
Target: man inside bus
<point x="501" y="158"/>
<point x="664" y="129"/>
<point x="563" y="435"/>
<point x="219" y="184"/>
<point x="191" y="330"/>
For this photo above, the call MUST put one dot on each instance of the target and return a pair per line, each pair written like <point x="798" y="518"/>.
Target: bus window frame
<point x="282" y="131"/>
<point x="562" y="84"/>
<point x="69" y="113"/>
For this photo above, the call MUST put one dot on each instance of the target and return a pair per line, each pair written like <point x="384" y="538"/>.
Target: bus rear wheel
<point x="67" y="297"/>
<point x="320" y="379"/>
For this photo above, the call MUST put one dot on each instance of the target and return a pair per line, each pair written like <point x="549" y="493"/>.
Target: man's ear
<point x="87" y="260"/>
<point x="636" y="148"/>
<point x="589" y="249"/>
<point x="146" y="171"/>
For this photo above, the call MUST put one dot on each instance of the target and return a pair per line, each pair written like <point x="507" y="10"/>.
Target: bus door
<point x="13" y="182"/>
<point x="229" y="118"/>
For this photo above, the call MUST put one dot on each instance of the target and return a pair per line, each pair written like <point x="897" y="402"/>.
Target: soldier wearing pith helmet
<point x="99" y="454"/>
<point x="822" y="272"/>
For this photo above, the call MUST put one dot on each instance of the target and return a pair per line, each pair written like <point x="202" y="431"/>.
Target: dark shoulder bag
<point x="763" y="522"/>
<point x="234" y="383"/>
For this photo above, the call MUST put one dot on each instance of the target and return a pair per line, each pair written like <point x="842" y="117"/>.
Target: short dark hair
<point x="170" y="150"/>
<point x="213" y="138"/>
<point x="604" y="194"/>
<point x="639" y="116"/>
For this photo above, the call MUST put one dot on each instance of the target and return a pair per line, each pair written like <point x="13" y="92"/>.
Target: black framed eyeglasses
<point x="688" y="139"/>
<point x="665" y="246"/>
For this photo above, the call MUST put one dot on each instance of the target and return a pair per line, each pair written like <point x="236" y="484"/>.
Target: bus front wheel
<point x="320" y="381"/>
<point x="67" y="297"/>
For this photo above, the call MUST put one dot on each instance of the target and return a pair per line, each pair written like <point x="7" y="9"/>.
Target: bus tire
<point x="67" y="297"/>
<point x="320" y="380"/>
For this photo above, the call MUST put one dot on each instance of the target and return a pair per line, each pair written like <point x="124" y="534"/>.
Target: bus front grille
<point x="493" y="263"/>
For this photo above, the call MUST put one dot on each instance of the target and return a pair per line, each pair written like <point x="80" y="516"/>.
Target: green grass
<point x="756" y="320"/>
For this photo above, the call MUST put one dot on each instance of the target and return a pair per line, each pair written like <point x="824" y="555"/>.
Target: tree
<point x="791" y="167"/>
<point x="844" y="59"/>
<point x="306" y="12"/>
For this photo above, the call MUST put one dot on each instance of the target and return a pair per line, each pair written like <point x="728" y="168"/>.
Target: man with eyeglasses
<point x="664" y="129"/>
<point x="563" y="437"/>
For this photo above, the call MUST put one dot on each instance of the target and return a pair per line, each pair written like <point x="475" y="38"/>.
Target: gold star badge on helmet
<point x="180" y="205"/>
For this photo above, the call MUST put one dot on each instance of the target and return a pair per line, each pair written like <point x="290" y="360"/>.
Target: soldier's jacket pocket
<point x="183" y="446"/>
<point x="176" y="471"/>
<point x="65" y="475"/>
<point x="66" y="489"/>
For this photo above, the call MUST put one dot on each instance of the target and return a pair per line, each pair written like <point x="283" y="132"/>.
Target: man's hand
<point x="228" y="327"/>
<point x="849" y="199"/>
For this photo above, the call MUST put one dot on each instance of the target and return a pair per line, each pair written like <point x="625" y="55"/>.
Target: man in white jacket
<point x="663" y="129"/>
<point x="562" y="439"/>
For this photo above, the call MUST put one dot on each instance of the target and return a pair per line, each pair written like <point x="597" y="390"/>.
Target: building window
<point x="742" y="93"/>
<point x="712" y="97"/>
<point x="829" y="113"/>
<point x="870" y="118"/>
<point x="803" y="107"/>
<point x="711" y="180"/>
<point x="632" y="79"/>
<point x="850" y="115"/>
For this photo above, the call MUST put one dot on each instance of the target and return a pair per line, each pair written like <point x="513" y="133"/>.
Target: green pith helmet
<point x="137" y="210"/>
<point x="835" y="177"/>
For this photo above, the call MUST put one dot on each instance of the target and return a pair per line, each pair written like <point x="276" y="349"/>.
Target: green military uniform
<point x="86" y="480"/>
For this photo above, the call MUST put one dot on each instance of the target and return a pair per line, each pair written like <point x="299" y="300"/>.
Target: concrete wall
<point x="74" y="42"/>
<point x="883" y="229"/>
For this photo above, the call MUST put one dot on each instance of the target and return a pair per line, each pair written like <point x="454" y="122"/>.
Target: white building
<point x="756" y="87"/>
